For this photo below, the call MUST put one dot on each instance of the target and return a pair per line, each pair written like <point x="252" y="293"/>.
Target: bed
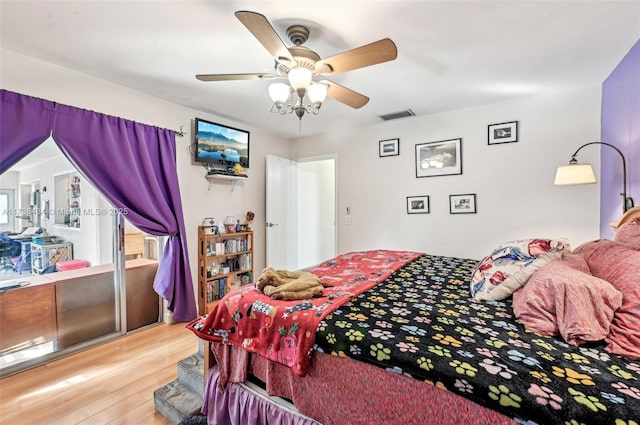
<point x="398" y="338"/>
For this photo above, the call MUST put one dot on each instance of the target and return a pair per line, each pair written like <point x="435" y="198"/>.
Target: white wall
<point x="33" y="77"/>
<point x="513" y="182"/>
<point x="11" y="180"/>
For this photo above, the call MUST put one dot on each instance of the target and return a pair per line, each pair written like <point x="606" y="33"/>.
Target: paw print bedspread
<point x="422" y="322"/>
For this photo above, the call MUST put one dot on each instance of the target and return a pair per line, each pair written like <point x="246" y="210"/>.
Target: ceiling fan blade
<point x="345" y="95"/>
<point x="371" y="54"/>
<point x="261" y="29"/>
<point x="232" y="77"/>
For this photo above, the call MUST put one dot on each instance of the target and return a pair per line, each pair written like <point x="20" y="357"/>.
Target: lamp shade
<point x="575" y="174"/>
<point x="317" y="93"/>
<point x="299" y="78"/>
<point x="279" y="92"/>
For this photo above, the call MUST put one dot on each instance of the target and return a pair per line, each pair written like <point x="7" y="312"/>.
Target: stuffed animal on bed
<point x="289" y="285"/>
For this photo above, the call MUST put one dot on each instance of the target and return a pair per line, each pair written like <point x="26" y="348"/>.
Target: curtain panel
<point x="25" y="122"/>
<point x="134" y="166"/>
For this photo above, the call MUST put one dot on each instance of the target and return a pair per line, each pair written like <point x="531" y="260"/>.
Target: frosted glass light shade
<point x="299" y="78"/>
<point x="317" y="93"/>
<point x="575" y="174"/>
<point x="279" y="92"/>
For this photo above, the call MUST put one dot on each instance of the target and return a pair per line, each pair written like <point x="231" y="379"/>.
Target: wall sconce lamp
<point x="576" y="173"/>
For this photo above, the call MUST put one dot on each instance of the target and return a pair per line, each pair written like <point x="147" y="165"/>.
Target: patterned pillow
<point x="510" y="265"/>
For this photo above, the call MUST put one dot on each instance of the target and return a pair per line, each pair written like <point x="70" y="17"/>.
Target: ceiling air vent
<point x="399" y="114"/>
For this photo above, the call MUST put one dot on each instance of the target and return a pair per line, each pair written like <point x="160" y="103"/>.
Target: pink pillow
<point x="619" y="265"/>
<point x="575" y="261"/>
<point x="561" y="299"/>
<point x="629" y="234"/>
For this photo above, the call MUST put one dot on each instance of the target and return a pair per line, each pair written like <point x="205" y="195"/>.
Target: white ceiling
<point x="451" y="54"/>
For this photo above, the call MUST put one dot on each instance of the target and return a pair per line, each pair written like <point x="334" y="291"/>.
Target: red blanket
<point x="284" y="331"/>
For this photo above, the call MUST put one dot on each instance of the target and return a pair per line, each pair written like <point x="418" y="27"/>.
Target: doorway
<point x="81" y="275"/>
<point x="301" y="211"/>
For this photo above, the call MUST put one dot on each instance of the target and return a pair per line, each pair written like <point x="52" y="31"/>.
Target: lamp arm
<point x="626" y="202"/>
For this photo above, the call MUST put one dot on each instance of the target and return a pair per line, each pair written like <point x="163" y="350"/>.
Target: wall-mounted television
<point x="218" y="144"/>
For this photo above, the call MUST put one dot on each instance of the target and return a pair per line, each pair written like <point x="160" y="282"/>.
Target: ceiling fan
<point x="302" y="67"/>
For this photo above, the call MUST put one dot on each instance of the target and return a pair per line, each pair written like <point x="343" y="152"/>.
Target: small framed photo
<point x="418" y="204"/>
<point x="439" y="158"/>
<point x="506" y="132"/>
<point x="389" y="147"/>
<point x="462" y="204"/>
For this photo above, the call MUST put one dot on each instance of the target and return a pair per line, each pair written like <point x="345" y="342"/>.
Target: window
<point x="4" y="208"/>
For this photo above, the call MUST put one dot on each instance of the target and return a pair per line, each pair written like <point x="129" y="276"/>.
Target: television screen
<point x="221" y="144"/>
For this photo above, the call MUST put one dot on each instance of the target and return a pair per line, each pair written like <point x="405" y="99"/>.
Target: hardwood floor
<point x="112" y="383"/>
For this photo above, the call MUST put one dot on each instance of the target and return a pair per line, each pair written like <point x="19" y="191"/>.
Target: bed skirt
<point x="242" y="404"/>
<point x="343" y="391"/>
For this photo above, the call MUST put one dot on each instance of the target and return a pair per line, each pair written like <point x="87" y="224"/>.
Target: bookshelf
<point x="225" y="261"/>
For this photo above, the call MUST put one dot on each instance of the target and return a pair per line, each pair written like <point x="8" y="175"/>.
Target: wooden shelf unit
<point x="215" y="251"/>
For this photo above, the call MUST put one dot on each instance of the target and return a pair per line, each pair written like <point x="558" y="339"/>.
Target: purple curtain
<point x="133" y="165"/>
<point x="25" y="122"/>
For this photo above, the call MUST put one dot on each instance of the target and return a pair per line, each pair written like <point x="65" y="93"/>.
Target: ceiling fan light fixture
<point x="300" y="65"/>
<point x="279" y="94"/>
<point x="317" y="93"/>
<point x="299" y="78"/>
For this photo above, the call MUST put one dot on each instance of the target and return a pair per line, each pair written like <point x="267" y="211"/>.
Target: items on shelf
<point x="230" y="224"/>
<point x="225" y="262"/>
<point x="248" y="219"/>
<point x="68" y="200"/>
<point x="225" y="172"/>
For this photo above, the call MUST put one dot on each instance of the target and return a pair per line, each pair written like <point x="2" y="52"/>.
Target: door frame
<point x="287" y="194"/>
<point x="300" y="231"/>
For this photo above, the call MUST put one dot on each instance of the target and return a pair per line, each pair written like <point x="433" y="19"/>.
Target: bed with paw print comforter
<point x="423" y="323"/>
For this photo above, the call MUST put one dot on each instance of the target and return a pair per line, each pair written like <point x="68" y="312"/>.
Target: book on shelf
<point x="235" y="245"/>
<point x="218" y="289"/>
<point x="222" y="289"/>
<point x="244" y="261"/>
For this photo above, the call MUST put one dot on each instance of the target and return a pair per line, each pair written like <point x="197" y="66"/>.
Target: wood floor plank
<point x="140" y="415"/>
<point x="112" y="383"/>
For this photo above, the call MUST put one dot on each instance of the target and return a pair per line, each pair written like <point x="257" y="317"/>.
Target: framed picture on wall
<point x="506" y="132"/>
<point x="439" y="158"/>
<point x="462" y="204"/>
<point x="389" y="147"/>
<point x="418" y="204"/>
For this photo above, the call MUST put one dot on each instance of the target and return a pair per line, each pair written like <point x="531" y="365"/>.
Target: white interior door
<point x="281" y="200"/>
<point x="316" y="211"/>
<point x="301" y="212"/>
